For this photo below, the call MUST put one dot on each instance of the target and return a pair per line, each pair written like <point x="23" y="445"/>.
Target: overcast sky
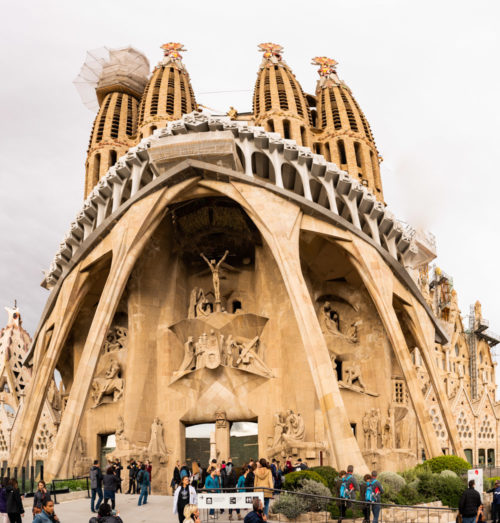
<point x="425" y="73"/>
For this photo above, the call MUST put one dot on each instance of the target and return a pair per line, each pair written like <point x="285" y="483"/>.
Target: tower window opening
<point x="296" y="96"/>
<point x="256" y="96"/>
<point x="143" y="103"/>
<point x="171" y="91"/>
<point x="357" y="152"/>
<point x="328" y="156"/>
<point x="267" y="91"/>
<point x="100" y="128"/>
<point x="286" y="129"/>
<point x="323" y="108"/>
<point x="281" y="89"/>
<point x="183" y="95"/>
<point x="335" y="110"/>
<point x="270" y="126"/>
<point x="153" y="129"/>
<point x="115" y="125"/>
<point x="365" y="123"/>
<point x="130" y="117"/>
<point x="96" y="169"/>
<point x="350" y="112"/>
<point x="317" y="148"/>
<point x="156" y="94"/>
<point x="303" y="135"/>
<point x="112" y="157"/>
<point x="341" y="150"/>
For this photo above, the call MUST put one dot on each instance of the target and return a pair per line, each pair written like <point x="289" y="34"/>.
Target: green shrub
<point x="289" y="505"/>
<point x="409" y="496"/>
<point x="445" y="488"/>
<point x="393" y="480"/>
<point x="440" y="463"/>
<point x="293" y="480"/>
<point x="329" y="474"/>
<point x="316" y="489"/>
<point x="448" y="474"/>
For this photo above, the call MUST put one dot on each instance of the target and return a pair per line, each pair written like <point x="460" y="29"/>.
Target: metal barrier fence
<point x="54" y="490"/>
<point x="328" y="509"/>
<point x="27" y="479"/>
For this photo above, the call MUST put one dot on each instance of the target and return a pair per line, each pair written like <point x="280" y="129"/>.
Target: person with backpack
<point x="373" y="494"/>
<point x="132" y="474"/>
<point x="143" y="483"/>
<point x="365" y="507"/>
<point x="348" y="486"/>
<point x="495" y="504"/>
<point x="95" y="486"/>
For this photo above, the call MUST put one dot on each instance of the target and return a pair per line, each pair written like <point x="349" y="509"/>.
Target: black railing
<point x="27" y="482"/>
<point x="352" y="509"/>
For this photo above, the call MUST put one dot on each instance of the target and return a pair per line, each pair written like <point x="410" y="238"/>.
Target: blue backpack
<point x="346" y="488"/>
<point x="372" y="491"/>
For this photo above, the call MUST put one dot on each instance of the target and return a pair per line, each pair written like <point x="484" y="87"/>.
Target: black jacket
<point x="253" y="517"/>
<point x="132" y="471"/>
<point x="469" y="503"/>
<point x="38" y="498"/>
<point x="106" y="519"/>
<point x="249" y="481"/>
<point x="110" y="482"/>
<point x="14" y="501"/>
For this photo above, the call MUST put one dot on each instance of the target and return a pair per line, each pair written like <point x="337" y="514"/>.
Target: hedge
<point x="293" y="480"/>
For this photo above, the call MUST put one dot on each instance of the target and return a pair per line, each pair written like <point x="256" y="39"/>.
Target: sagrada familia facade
<point x="242" y="267"/>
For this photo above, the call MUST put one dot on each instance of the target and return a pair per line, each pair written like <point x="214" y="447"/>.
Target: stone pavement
<point x="157" y="510"/>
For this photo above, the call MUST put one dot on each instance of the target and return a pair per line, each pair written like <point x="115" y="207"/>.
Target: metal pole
<point x="23" y="479"/>
<point x="41" y="472"/>
<point x="32" y="474"/>
<point x="88" y="490"/>
<point x="54" y="492"/>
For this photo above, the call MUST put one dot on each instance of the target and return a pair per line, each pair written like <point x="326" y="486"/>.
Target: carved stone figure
<point x="198" y="304"/>
<point x="296" y="427"/>
<point x="108" y="385"/>
<point x="156" y="445"/>
<point x="189" y="362"/>
<point x="220" y="419"/>
<point x="279" y="429"/>
<point x="371" y="421"/>
<point x="331" y="321"/>
<point x="387" y="433"/>
<point x="200" y="350"/>
<point x="352" y="374"/>
<point x="215" y="267"/>
<point x="213" y="350"/>
<point x="116" y="339"/>
<point x="80" y="446"/>
<point x="54" y="396"/>
<point x="403" y="434"/>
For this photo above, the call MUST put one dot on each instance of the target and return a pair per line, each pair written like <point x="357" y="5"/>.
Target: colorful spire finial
<point x="172" y="52"/>
<point x="327" y="72"/>
<point x="272" y="54"/>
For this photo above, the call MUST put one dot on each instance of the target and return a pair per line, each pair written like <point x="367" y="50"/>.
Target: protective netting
<point x="127" y="62"/>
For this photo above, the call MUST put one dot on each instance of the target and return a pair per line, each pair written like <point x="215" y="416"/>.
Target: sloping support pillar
<point x="129" y="240"/>
<point x="425" y="340"/>
<point x="68" y="304"/>
<point x="377" y="278"/>
<point x="280" y="225"/>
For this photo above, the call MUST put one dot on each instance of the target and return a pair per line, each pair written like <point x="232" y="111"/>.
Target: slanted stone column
<point x="222" y="445"/>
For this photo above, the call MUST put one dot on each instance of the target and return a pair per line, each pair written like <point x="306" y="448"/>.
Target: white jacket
<point x="193" y="497"/>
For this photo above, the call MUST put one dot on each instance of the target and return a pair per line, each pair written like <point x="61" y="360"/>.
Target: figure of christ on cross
<point x="215" y="267"/>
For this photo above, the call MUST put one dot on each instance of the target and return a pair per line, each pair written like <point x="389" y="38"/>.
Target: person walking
<point x="110" y="484"/>
<point x="264" y="483"/>
<point x="176" y="478"/>
<point x="149" y="468"/>
<point x="105" y="515"/>
<point x="374" y="491"/>
<point x="132" y="474"/>
<point x="15" y="509"/>
<point x="47" y="513"/>
<point x="195" y="480"/>
<point x="212" y="484"/>
<point x="365" y="507"/>
<point x="184" y="495"/>
<point x="39" y="498"/>
<point x="3" y="500"/>
<point x="118" y="473"/>
<point x="143" y="483"/>
<point x="495" y="504"/>
<point x="95" y="486"/>
<point x="347" y="488"/>
<point x="469" y="503"/>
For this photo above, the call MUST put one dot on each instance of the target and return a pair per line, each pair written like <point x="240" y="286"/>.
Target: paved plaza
<point x="157" y="510"/>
